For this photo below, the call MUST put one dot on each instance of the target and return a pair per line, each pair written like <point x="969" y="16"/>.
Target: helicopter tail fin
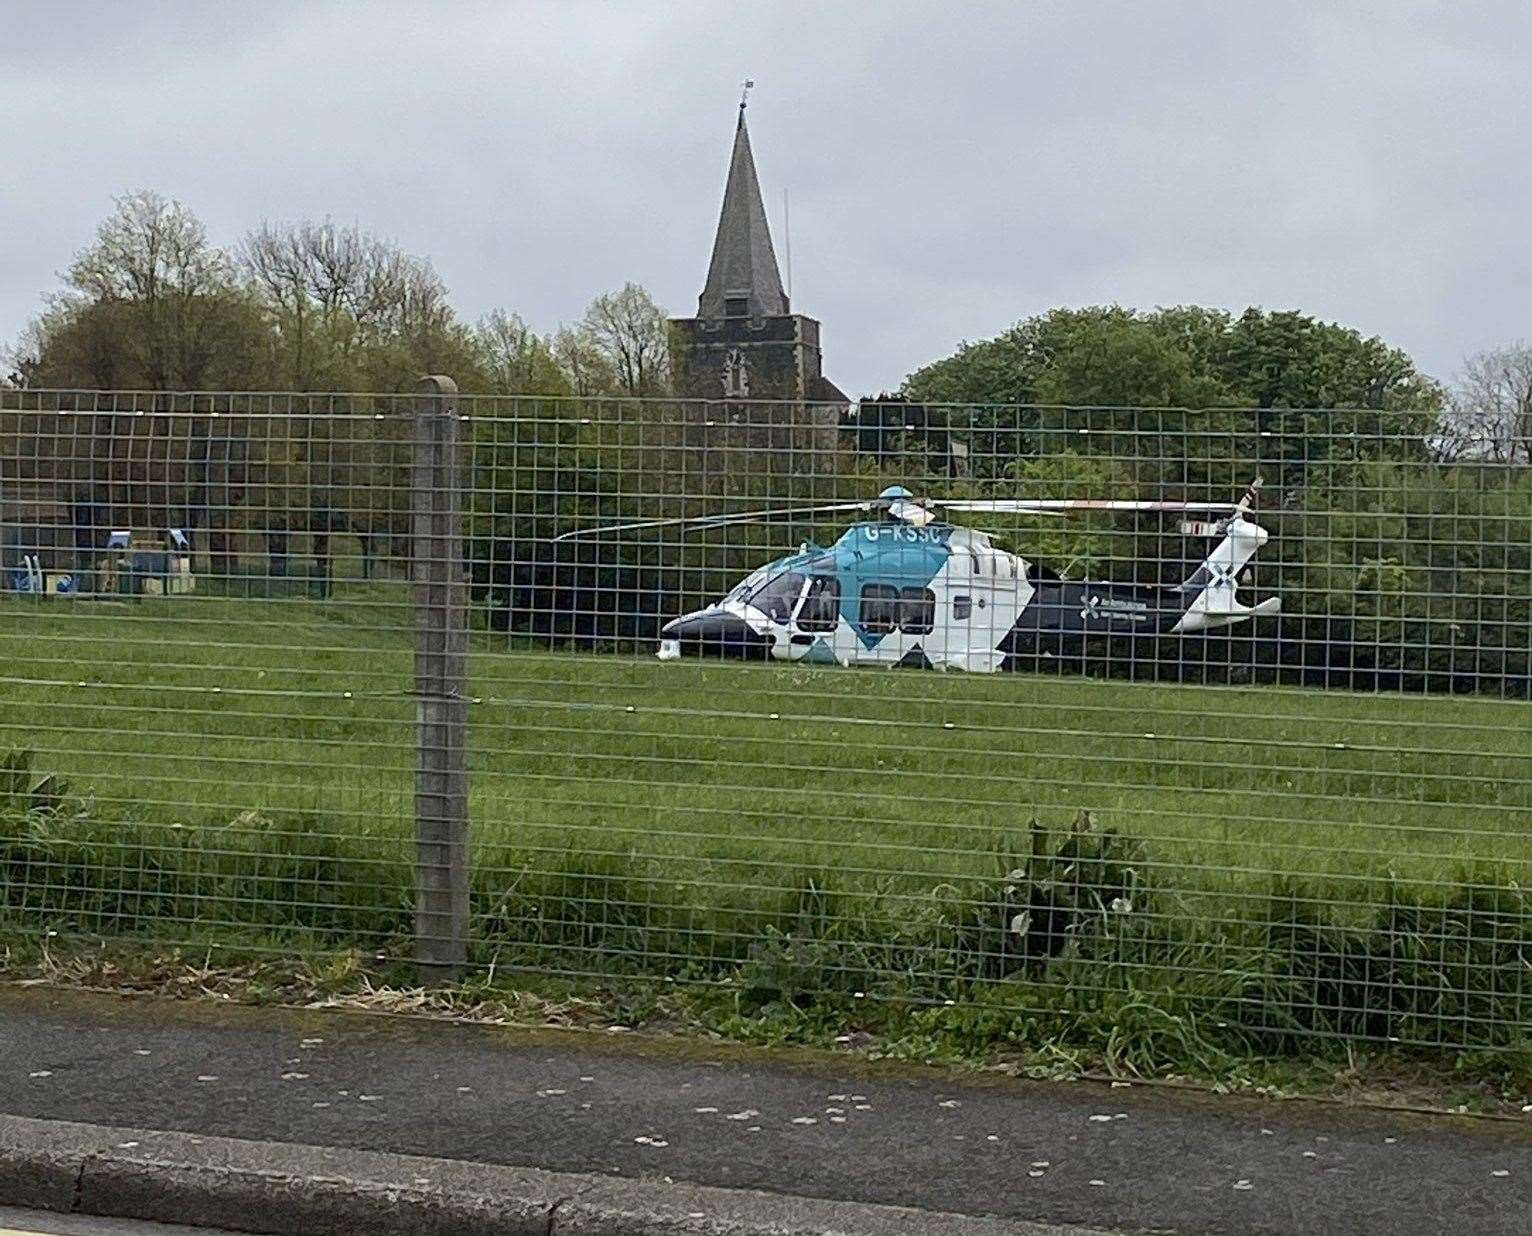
<point x="1212" y="589"/>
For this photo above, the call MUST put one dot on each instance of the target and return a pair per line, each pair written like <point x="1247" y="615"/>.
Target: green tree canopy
<point x="1185" y="356"/>
<point x="515" y="359"/>
<point x="1309" y="385"/>
<point x="150" y="303"/>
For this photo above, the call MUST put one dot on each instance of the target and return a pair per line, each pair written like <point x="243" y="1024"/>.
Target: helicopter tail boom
<point x="1213" y="587"/>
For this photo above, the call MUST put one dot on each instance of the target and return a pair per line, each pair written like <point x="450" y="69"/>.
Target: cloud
<point x="951" y="169"/>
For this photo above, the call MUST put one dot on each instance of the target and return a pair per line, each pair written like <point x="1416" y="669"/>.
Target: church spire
<point x="742" y="279"/>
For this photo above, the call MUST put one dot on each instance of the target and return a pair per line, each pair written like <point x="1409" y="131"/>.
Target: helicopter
<point x="907" y="587"/>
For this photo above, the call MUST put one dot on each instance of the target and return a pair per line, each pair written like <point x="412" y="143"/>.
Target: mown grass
<point x="1299" y="862"/>
<point x="196" y="710"/>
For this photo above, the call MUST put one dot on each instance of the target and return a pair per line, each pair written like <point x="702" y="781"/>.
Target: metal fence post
<point x="441" y="689"/>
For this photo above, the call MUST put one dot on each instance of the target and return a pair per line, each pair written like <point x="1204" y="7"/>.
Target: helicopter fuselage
<point x="942" y="596"/>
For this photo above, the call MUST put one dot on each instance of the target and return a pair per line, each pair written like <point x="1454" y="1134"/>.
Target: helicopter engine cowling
<point x="713" y="633"/>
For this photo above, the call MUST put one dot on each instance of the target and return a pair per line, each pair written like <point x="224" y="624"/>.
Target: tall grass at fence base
<point x="1416" y="971"/>
<point x="1068" y="942"/>
<point x="66" y="863"/>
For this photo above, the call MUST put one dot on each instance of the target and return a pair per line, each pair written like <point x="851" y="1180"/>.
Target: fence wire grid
<point x="658" y="689"/>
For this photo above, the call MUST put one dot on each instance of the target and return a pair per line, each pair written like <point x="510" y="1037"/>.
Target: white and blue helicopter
<point x="908" y="588"/>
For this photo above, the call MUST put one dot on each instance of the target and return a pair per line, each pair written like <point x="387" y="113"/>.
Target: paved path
<point x="1133" y="1158"/>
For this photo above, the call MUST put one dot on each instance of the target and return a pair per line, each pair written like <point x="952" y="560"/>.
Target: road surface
<point x="825" y="1127"/>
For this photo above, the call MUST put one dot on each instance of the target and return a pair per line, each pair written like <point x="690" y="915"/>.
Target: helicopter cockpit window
<point x="743" y="589"/>
<point x="917" y="611"/>
<point x="821" y="607"/>
<point x="880" y="608"/>
<point x="778" y="598"/>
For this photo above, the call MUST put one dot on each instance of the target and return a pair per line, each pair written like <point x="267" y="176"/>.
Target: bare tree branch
<point x="630" y="330"/>
<point x="1490" y="416"/>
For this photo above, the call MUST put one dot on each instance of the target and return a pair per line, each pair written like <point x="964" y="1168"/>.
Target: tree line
<point x="1303" y="376"/>
<point x="152" y="303"/>
<point x="1400" y="505"/>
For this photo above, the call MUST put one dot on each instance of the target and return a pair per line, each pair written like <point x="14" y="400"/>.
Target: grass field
<point x="266" y="748"/>
<point x="196" y="710"/>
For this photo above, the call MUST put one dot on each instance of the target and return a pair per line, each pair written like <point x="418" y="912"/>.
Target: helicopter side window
<point x="917" y="611"/>
<point x="777" y="598"/>
<point x="821" y="607"/>
<point x="880" y="608"/>
<point x="962" y="607"/>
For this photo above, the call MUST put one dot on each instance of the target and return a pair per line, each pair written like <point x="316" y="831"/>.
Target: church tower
<point x="746" y="344"/>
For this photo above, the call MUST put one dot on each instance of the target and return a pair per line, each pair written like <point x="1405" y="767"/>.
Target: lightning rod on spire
<point x="744" y="95"/>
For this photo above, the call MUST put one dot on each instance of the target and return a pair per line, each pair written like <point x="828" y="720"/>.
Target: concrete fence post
<point x="441" y="683"/>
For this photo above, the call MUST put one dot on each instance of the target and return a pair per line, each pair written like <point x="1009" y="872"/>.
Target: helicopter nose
<point x="716" y="635"/>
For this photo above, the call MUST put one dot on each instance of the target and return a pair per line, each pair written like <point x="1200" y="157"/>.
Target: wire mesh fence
<point x="1043" y="711"/>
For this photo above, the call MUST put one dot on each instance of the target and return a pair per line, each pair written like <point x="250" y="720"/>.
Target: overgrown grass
<point x="1153" y="869"/>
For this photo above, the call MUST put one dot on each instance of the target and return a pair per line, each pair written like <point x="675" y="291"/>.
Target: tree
<point x="277" y="265"/>
<point x="1119" y="360"/>
<point x="349" y="309"/>
<point x="24" y="357"/>
<point x="149" y="248"/>
<point x="1290" y="360"/>
<point x="82" y="344"/>
<point x="1314" y="385"/>
<point x="337" y="271"/>
<point x="631" y="333"/>
<point x="216" y="343"/>
<point x="585" y="365"/>
<point x="150" y="304"/>
<point x="515" y="359"/>
<point x="1114" y="355"/>
<point x="1490" y="417"/>
<point x="1108" y="359"/>
<point x="153" y="302"/>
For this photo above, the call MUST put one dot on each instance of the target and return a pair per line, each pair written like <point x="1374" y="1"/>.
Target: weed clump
<point x="1064" y="898"/>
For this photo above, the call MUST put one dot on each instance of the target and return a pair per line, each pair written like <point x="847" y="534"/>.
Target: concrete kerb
<point x="279" y="1188"/>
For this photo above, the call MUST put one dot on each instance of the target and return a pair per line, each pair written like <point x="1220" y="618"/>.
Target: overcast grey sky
<point x="952" y="167"/>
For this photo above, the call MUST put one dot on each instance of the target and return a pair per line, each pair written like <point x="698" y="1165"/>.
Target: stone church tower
<point x="755" y="361"/>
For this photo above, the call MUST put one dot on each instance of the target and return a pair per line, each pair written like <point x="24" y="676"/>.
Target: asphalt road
<point x="1135" y="1158"/>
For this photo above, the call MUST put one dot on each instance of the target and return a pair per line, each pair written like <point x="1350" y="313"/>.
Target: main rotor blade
<point x="1204" y="527"/>
<point x="714" y="521"/>
<point x="1061" y="506"/>
<point x="1001" y="506"/>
